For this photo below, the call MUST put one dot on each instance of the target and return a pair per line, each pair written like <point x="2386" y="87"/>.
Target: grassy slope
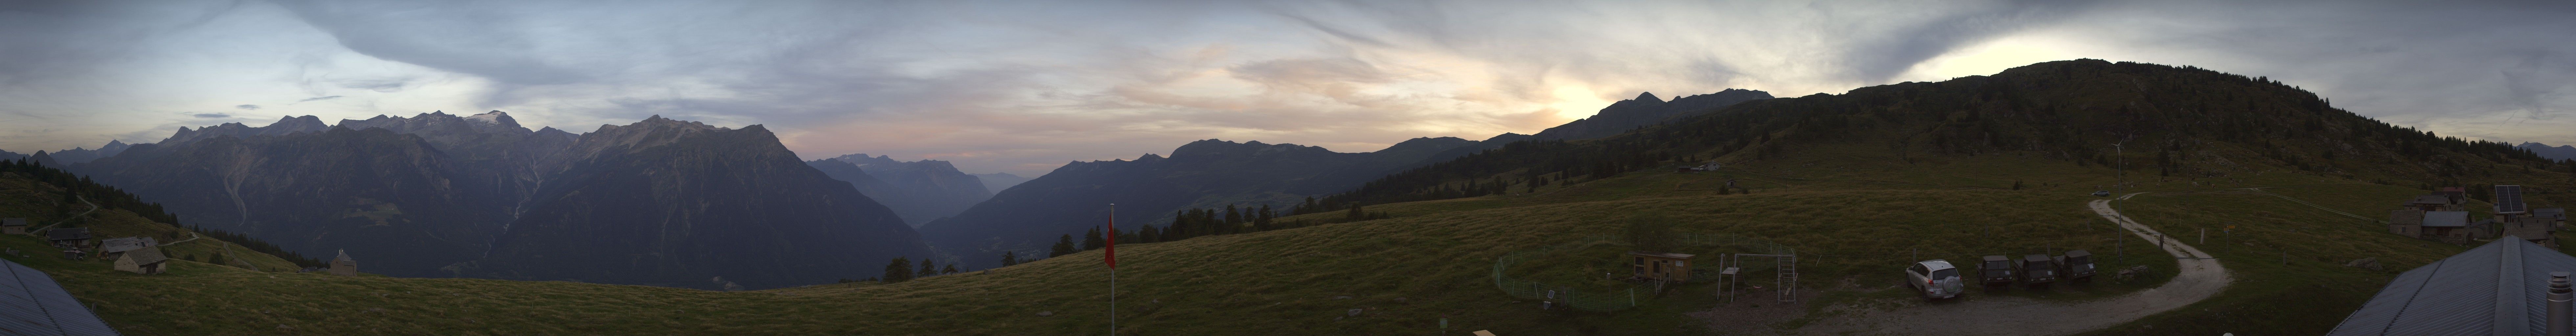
<point x="1857" y="214"/>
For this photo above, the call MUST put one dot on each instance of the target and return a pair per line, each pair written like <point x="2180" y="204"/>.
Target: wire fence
<point x="1610" y="300"/>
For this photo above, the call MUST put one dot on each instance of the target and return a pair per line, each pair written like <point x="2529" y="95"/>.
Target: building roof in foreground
<point x="2496" y="289"/>
<point x="32" y="304"/>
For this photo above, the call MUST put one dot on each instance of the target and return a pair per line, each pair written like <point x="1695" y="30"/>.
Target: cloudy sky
<point x="1025" y="86"/>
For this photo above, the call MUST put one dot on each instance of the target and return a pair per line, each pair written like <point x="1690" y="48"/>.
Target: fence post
<point x="1632" y="296"/>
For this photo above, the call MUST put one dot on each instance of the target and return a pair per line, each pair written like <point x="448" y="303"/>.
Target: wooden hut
<point x="148" y="260"/>
<point x="1674" y="267"/>
<point x="2448" y="227"/>
<point x="69" y="238"/>
<point x="2409" y="223"/>
<point x="15" y="226"/>
<point x="342" y="265"/>
<point x="2433" y="202"/>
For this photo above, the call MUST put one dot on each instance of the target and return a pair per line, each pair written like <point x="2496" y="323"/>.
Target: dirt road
<point x="2199" y="278"/>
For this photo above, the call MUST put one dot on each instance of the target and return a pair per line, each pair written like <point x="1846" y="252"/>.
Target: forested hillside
<point x="2174" y="122"/>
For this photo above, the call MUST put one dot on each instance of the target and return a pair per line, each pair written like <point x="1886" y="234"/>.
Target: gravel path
<point x="2199" y="278"/>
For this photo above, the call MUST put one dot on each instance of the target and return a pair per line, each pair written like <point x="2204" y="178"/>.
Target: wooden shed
<point x="68" y="237"/>
<point x="342" y="265"/>
<point x="15" y="226"/>
<point x="1674" y="267"/>
<point x="2448" y="227"/>
<point x="2408" y="223"/>
<point x="148" y="260"/>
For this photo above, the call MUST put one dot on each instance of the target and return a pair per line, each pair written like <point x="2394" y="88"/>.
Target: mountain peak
<point x="494" y="118"/>
<point x="1648" y="96"/>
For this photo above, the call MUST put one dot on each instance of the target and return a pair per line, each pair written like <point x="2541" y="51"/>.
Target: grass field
<point x="1856" y="220"/>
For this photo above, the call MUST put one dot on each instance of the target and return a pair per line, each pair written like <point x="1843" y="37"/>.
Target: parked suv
<point x="2078" y="265"/>
<point x="2036" y="269"/>
<point x="1934" y="279"/>
<point x="1995" y="271"/>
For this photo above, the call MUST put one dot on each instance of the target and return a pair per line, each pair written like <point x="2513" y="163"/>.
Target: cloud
<point x="1024" y="86"/>
<point x="246" y="107"/>
<point x="211" y="115"/>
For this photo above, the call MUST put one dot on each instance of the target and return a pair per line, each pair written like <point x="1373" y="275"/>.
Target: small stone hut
<point x="147" y="260"/>
<point x="15" y="226"/>
<point x="342" y="265"/>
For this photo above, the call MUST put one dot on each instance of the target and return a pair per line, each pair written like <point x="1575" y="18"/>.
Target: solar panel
<point x="2509" y="199"/>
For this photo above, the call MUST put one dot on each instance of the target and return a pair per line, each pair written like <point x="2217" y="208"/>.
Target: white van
<point x="1934" y="279"/>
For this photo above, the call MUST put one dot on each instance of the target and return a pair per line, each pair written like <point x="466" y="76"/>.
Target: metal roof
<point x="2554" y="213"/>
<point x="113" y="245"/>
<point x="146" y="256"/>
<point x="2495" y="289"/>
<point x="32" y="304"/>
<point x="1998" y="258"/>
<point x="2430" y="200"/>
<point x="13" y="222"/>
<point x="345" y="254"/>
<point x="2446" y="218"/>
<point x="2078" y="253"/>
<point x="67" y="233"/>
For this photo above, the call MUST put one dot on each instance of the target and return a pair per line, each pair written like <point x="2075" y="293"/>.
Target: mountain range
<point x="658" y="202"/>
<point x="1206" y="173"/>
<point x="2562" y="152"/>
<point x="919" y="191"/>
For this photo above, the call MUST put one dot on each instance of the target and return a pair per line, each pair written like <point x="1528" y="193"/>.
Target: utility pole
<point x="2122" y="152"/>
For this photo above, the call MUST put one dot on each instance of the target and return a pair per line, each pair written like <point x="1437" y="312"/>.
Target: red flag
<point x="1111" y="254"/>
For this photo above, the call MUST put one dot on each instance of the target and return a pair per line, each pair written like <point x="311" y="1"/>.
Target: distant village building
<point x="112" y="247"/>
<point x="343" y="265"/>
<point x="2457" y="194"/>
<point x="2535" y="229"/>
<point x="2447" y="226"/>
<point x="147" y="260"/>
<point x="2557" y="217"/>
<point x="2433" y="202"/>
<point x="69" y="238"/>
<point x="15" y="226"/>
<point x="2409" y="223"/>
<point x="1674" y="267"/>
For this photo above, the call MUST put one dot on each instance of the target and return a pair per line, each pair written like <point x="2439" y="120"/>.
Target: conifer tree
<point x="927" y="269"/>
<point x="950" y="269"/>
<point x="1063" y="246"/>
<point x="1092" y="241"/>
<point x="898" y="270"/>
<point x="1009" y="259"/>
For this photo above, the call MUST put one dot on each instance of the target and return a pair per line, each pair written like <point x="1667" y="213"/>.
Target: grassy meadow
<point x="1856" y="217"/>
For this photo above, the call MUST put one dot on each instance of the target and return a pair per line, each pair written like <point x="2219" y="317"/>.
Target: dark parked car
<point x="2036" y="269"/>
<point x="2078" y="265"/>
<point x="1995" y="271"/>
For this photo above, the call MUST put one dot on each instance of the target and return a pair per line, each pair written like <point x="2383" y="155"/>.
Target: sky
<point x="1026" y="86"/>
